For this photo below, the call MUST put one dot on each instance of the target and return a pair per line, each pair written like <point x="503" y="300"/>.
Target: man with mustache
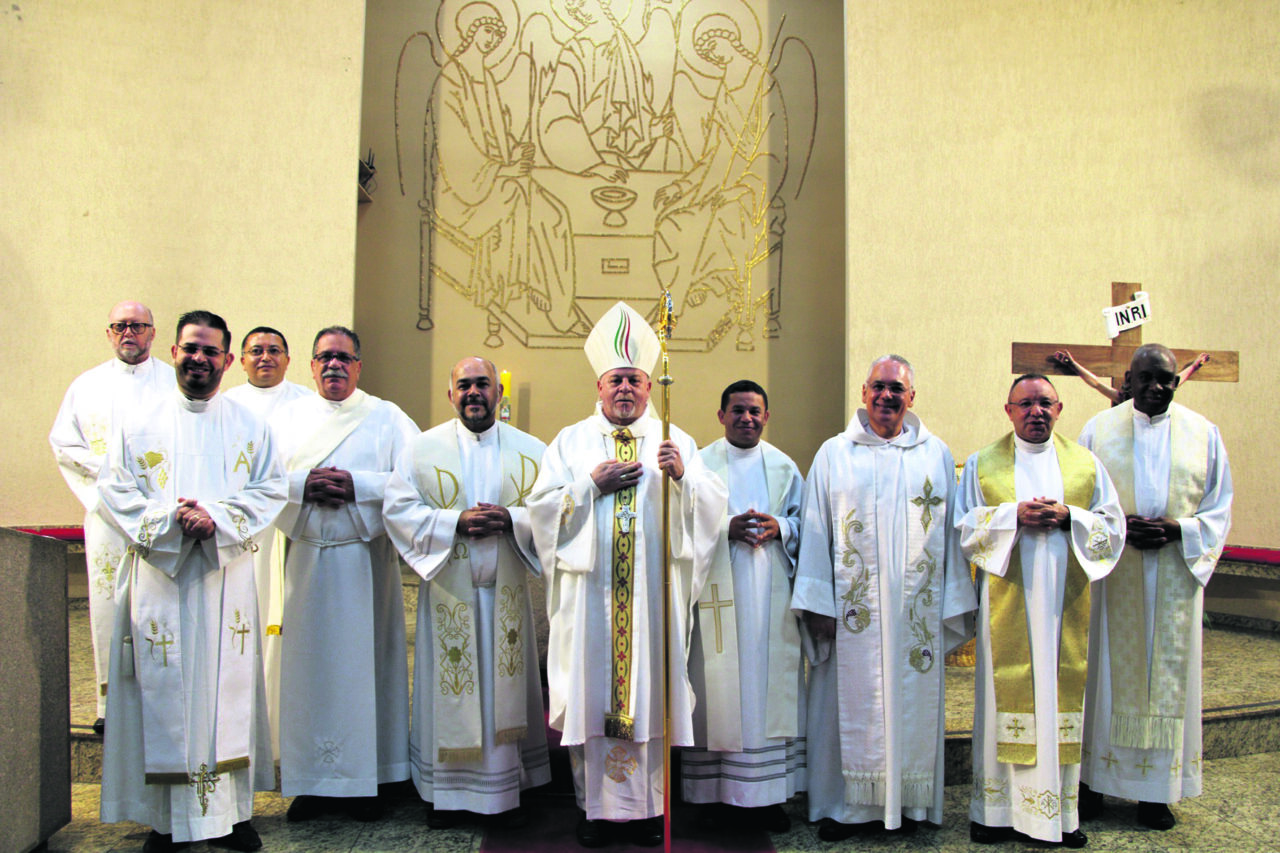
<point x="1171" y="471"/>
<point x="597" y="522"/>
<point x="745" y="661"/>
<point x="264" y="355"/>
<point x="193" y="479"/>
<point x="883" y="599"/>
<point x="1039" y="520"/>
<point x="93" y="405"/>
<point x="344" y="677"/>
<point x="455" y="509"/>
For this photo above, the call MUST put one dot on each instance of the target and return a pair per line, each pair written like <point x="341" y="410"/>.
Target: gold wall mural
<point x="569" y="153"/>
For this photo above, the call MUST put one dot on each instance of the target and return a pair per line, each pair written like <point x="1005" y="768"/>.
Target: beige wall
<point x="194" y="154"/>
<point x="1008" y="160"/>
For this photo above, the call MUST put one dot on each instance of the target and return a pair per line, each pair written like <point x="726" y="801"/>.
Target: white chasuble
<point x="1038" y="798"/>
<point x="268" y="560"/>
<point x="344" y="680"/>
<point x="745" y="663"/>
<point x="875" y="556"/>
<point x="573" y="529"/>
<point x="1143" y="731"/>
<point x="478" y="736"/>
<point x="94" y="405"/>
<point x="188" y="738"/>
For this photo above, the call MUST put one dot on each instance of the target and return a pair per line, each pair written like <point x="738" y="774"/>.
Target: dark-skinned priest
<point x="597" y="520"/>
<point x="1142" y="733"/>
<point x="1038" y="520"/>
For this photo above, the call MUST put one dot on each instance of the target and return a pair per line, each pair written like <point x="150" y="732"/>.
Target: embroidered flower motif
<point x="1099" y="545"/>
<point x="510" y="649"/>
<point x="453" y="628"/>
<point x="982" y="544"/>
<point x="619" y="764"/>
<point x="856" y="612"/>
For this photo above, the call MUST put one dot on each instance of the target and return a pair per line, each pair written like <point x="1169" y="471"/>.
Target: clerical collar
<point x="484" y="437"/>
<point x="1143" y="419"/>
<point x="196" y="406"/>
<point x="1031" y="447"/>
<point x="734" y="452"/>
<point x="126" y="367"/>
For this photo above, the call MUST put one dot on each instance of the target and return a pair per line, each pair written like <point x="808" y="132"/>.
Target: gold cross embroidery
<point x="1109" y="759"/>
<point x="164" y="641"/>
<point x="1015" y="728"/>
<point x="238" y="630"/>
<point x="205" y="783"/>
<point x="714" y="605"/>
<point x="1145" y="766"/>
<point x="927" y="502"/>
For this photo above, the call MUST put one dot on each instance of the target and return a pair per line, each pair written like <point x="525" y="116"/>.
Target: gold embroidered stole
<point x="620" y="721"/>
<point x="1010" y="639"/>
<point x="1148" y="704"/>
<point x="718" y="627"/>
<point x="458" y="723"/>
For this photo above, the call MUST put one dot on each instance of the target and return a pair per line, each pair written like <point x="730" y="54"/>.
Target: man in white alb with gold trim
<point x="81" y="434"/>
<point x="192" y="480"/>
<point x="597" y="521"/>
<point x="884" y="599"/>
<point x="745" y="661"/>
<point x="344" y="670"/>
<point x="1142" y="732"/>
<point x="455" y="509"/>
<point x="1039" y="520"/>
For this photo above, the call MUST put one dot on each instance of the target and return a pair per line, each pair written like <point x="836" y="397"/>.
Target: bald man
<point x="1142" y="731"/>
<point x="454" y="507"/>
<point x="91" y="410"/>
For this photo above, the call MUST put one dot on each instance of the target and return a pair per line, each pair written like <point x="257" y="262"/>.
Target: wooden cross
<point x="1111" y="362"/>
<point x="714" y="605"/>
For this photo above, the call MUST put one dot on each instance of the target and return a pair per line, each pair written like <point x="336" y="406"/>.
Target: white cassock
<point x="188" y="740"/>
<point x="467" y="753"/>
<point x="875" y="554"/>
<point x="344" y="670"/>
<point x="1037" y="799"/>
<point x="265" y="403"/>
<point x="80" y="437"/>
<point x="745" y="660"/>
<point x="616" y="777"/>
<point x="1139" y="453"/>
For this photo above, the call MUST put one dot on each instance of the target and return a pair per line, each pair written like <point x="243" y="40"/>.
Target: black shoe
<point x="592" y="833"/>
<point x="364" y="809"/>
<point x="1090" y="803"/>
<point x="162" y="843"/>
<point x="646" y="832"/>
<point x="909" y="826"/>
<point x="1075" y="839"/>
<point x="440" y="818"/>
<point x="833" y="830"/>
<point x="980" y="833"/>
<point x="770" y="818"/>
<point x="306" y="807"/>
<point x="1156" y="816"/>
<point x="100" y="726"/>
<point x="242" y="837"/>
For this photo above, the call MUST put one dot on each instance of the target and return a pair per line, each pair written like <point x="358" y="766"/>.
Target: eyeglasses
<point x="344" y="357"/>
<point x="258" y="352"/>
<point x="121" y="328"/>
<point x="208" y="352"/>
<point x="1043" y="402"/>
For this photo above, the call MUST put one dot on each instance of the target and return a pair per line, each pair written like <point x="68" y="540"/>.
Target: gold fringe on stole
<point x="1011" y="647"/>
<point x="512" y="735"/>
<point x="1146" y="732"/>
<point x="868" y="788"/>
<point x="470" y="754"/>
<point x="619" y="727"/>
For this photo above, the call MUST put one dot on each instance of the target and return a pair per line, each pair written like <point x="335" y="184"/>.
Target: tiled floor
<point x="1239" y="812"/>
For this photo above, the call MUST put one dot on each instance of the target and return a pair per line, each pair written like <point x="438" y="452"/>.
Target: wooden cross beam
<point x="1111" y="362"/>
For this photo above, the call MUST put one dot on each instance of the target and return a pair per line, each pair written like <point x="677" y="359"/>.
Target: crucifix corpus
<point x="1111" y="362"/>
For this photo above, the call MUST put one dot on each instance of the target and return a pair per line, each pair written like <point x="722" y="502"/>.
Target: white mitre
<point x="622" y="338"/>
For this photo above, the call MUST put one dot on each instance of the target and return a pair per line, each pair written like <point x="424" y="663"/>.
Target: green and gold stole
<point x="1147" y="706"/>
<point x="1010" y="638"/>
<point x="457" y="719"/>
<point x="619" y="722"/>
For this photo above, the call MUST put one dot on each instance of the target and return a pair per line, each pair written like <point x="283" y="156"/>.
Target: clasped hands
<point x="1146" y="533"/>
<point x="612" y="475"/>
<point x="753" y="528"/>
<point x="483" y="520"/>
<point x="328" y="487"/>
<point x="1044" y="514"/>
<point x="194" y="520"/>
